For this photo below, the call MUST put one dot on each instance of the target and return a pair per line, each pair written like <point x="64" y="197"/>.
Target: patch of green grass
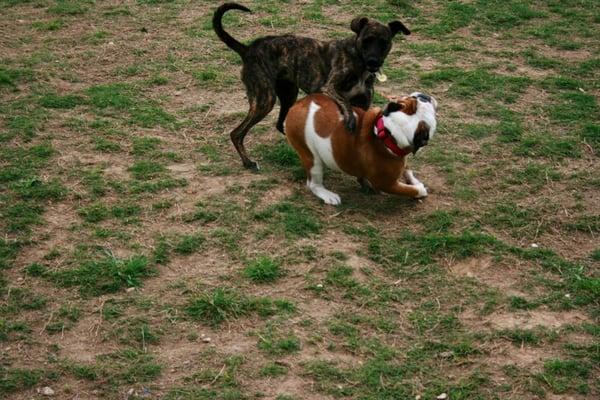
<point x="537" y="60"/>
<point x="595" y="255"/>
<point x="35" y="189"/>
<point x="35" y="269"/>
<point x="20" y="215"/>
<point x="280" y="155"/>
<point x="112" y="310"/>
<point x="224" y="304"/>
<point x="151" y="115"/>
<point x="145" y="145"/>
<point x="202" y="214"/>
<point x="520" y="337"/>
<point x="94" y="213"/>
<point x="564" y="375"/>
<point x="439" y="221"/>
<point x="533" y="174"/>
<point x="505" y="14"/>
<point x="295" y="221"/>
<point x="548" y="147"/>
<point x="454" y="16"/>
<point x="52" y="100"/>
<point x="574" y="107"/>
<point x="478" y="83"/>
<point x="17" y="379"/>
<point x="146" y="169"/>
<point x="509" y="215"/>
<point x="104" y="275"/>
<point x="160" y="255"/>
<point x="189" y="244"/>
<point x="68" y="7"/>
<point x="105" y="145"/>
<point x="64" y="319"/>
<point x="586" y="223"/>
<point x="51" y="25"/>
<point x="263" y="269"/>
<point x="276" y="345"/>
<point x="129" y="366"/>
<point x="273" y="370"/>
<point x="218" y="306"/>
<point x="18" y="300"/>
<point x="117" y="95"/>
<point x="8" y="251"/>
<point x="9" y="330"/>
<point x="591" y="134"/>
<point x="12" y="76"/>
<point x="520" y="303"/>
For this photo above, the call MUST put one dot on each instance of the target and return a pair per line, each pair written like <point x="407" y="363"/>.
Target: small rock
<point x="568" y="295"/>
<point x="130" y="392"/>
<point x="535" y="245"/>
<point x="47" y="391"/>
<point x="206" y="339"/>
<point x="446" y="354"/>
<point x="130" y="289"/>
<point x="418" y="397"/>
<point x="320" y="285"/>
<point x="111" y="43"/>
<point x="442" y="396"/>
<point x="177" y="93"/>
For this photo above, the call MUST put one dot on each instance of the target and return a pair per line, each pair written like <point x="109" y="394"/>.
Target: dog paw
<point x="421" y="191"/>
<point x="332" y="199"/>
<point x="327" y="196"/>
<point x="252" y="166"/>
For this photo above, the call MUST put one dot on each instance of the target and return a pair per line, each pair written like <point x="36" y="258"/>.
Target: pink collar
<point x="386" y="136"/>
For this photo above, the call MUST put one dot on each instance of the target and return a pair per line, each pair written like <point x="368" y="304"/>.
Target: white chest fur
<point x="319" y="146"/>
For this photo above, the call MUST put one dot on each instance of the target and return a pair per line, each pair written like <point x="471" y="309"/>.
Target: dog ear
<point x="358" y="24"/>
<point x="397" y="26"/>
<point x="392" y="107"/>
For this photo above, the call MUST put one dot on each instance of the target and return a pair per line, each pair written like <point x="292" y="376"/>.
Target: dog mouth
<point x="373" y="69"/>
<point x="417" y="146"/>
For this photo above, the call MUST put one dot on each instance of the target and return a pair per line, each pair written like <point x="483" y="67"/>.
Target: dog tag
<point x="381" y="77"/>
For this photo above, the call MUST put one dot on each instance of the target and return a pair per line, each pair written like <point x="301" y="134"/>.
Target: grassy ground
<point x="139" y="260"/>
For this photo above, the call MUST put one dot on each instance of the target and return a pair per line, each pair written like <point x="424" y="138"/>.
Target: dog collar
<point x="382" y="133"/>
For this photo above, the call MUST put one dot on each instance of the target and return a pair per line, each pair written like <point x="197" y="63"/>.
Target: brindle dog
<point x="278" y="66"/>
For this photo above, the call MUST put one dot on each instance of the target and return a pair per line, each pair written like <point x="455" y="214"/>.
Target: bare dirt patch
<point x="501" y="276"/>
<point x="524" y="319"/>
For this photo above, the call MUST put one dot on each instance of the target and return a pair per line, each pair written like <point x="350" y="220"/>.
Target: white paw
<point x="421" y="189"/>
<point x="327" y="196"/>
<point x="331" y="198"/>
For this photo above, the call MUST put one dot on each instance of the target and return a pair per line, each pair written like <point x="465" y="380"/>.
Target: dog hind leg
<point x="287" y="92"/>
<point x="260" y="106"/>
<point x="315" y="184"/>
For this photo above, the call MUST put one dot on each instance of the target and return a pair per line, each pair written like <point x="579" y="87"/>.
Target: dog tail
<point x="224" y="36"/>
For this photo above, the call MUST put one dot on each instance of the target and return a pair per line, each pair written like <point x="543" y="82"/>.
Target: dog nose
<point x="372" y="64"/>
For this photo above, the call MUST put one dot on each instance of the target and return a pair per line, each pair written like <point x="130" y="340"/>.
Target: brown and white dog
<point x="376" y="155"/>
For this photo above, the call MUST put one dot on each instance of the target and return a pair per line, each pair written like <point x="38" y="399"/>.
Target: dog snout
<point x="373" y="65"/>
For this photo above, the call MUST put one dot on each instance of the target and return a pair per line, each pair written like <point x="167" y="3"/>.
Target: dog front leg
<point x="416" y="191"/>
<point x="334" y="87"/>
